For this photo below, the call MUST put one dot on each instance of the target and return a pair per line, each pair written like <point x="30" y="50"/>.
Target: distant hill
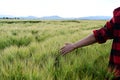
<point x="51" y="18"/>
<point x="95" y="18"/>
<point x="29" y="17"/>
<point x="61" y="18"/>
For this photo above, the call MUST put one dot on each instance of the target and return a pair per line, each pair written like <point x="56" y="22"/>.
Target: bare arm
<point x="84" y="42"/>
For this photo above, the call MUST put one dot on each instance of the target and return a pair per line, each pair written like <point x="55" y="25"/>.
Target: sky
<point x="62" y="8"/>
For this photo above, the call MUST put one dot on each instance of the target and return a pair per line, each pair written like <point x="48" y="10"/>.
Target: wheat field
<point x="29" y="50"/>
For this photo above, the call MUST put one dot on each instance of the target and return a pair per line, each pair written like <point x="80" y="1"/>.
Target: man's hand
<point x="67" y="48"/>
<point x="84" y="42"/>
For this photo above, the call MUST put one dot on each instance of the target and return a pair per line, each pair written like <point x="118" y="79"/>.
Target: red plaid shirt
<point x="111" y="30"/>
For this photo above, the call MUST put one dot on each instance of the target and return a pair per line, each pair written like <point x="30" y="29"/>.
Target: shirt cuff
<point x="97" y="37"/>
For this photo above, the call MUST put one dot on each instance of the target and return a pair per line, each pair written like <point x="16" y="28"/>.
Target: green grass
<point x="29" y="50"/>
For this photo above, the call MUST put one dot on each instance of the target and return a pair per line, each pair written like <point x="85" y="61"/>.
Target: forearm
<point x="85" y="42"/>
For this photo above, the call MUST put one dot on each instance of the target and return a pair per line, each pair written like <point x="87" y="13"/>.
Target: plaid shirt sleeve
<point x="105" y="32"/>
<point x="111" y="30"/>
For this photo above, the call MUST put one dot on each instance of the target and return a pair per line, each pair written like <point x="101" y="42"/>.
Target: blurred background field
<point x="29" y="51"/>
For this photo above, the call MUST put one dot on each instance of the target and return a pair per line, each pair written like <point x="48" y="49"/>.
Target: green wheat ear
<point x="57" y="65"/>
<point x="57" y="57"/>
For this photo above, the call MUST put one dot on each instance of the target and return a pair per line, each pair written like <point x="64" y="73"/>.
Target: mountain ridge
<point x="60" y="18"/>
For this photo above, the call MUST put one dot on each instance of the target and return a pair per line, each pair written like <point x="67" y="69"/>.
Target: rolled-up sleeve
<point x="104" y="33"/>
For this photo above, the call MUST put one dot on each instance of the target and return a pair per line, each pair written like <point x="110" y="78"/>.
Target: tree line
<point x="9" y="18"/>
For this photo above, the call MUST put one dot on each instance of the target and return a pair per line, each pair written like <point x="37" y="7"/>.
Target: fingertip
<point x="62" y="48"/>
<point x="67" y="43"/>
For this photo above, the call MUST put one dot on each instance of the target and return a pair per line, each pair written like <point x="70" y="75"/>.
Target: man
<point x="111" y="30"/>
